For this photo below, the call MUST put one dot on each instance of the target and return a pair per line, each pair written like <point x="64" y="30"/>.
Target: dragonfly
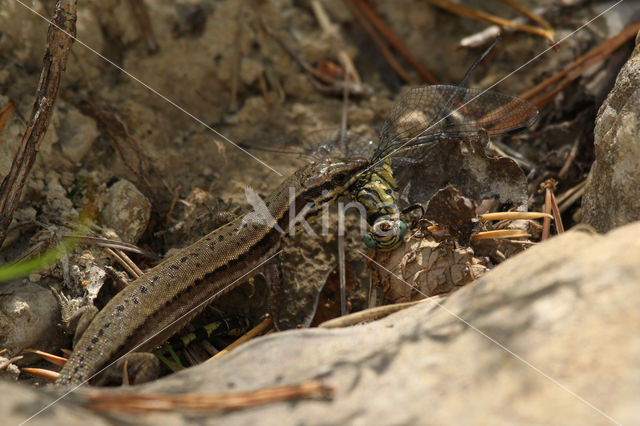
<point x="423" y="118"/>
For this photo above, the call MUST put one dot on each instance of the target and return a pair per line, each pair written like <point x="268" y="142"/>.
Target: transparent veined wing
<point x="335" y="143"/>
<point x="429" y="115"/>
<point x="318" y="144"/>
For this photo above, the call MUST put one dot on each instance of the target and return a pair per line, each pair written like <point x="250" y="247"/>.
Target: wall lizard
<point x="160" y="302"/>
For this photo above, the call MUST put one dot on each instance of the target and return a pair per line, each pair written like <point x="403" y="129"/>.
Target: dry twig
<point x="513" y="216"/>
<point x="371" y="15"/>
<point x="323" y="82"/>
<point x="7" y="362"/>
<point x="126" y="262"/>
<point x="255" y="331"/>
<point x="566" y="199"/>
<point x="575" y="70"/>
<point x="477" y="14"/>
<point x="375" y="313"/>
<point x="141" y="13"/>
<point x="42" y="372"/>
<point x="502" y="233"/>
<point x="5" y="112"/>
<point x="550" y="206"/>
<point x="533" y="16"/>
<point x="384" y="50"/>
<point x="55" y="59"/>
<point x="127" y="147"/>
<point x="53" y="359"/>
<point x="147" y="402"/>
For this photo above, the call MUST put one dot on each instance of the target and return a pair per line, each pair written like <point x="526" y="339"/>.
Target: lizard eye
<point x="340" y="178"/>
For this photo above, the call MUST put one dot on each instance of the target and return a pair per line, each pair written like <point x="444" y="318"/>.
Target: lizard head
<point x="326" y="180"/>
<point x="311" y="189"/>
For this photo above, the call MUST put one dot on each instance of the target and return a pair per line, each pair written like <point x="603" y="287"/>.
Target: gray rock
<point x="127" y="211"/>
<point x="28" y="316"/>
<point x="250" y="70"/>
<point x="8" y="370"/>
<point x="612" y="195"/>
<point x="20" y="402"/>
<point x="548" y="337"/>
<point x="77" y="133"/>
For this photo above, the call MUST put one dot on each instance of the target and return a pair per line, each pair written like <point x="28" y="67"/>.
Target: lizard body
<point x="160" y="302"/>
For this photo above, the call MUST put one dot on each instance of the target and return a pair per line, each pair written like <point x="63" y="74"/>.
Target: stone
<point x="250" y="70"/>
<point x="77" y="133"/>
<point x="28" y="316"/>
<point x="8" y="370"/>
<point x="548" y="336"/>
<point x="612" y="194"/>
<point x="127" y="211"/>
<point x="26" y="401"/>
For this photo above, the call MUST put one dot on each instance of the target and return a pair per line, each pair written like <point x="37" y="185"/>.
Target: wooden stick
<point x="5" y="112"/>
<point x="570" y="196"/>
<point x="53" y="359"/>
<point x="546" y="224"/>
<point x="141" y="13"/>
<point x="60" y="36"/>
<point x="7" y="362"/>
<point x="375" y="313"/>
<point x="126" y="263"/>
<point x="556" y="214"/>
<point x="501" y="233"/>
<point x="513" y="216"/>
<point x="594" y="55"/>
<point x="255" y="331"/>
<point x="535" y="18"/>
<point x="394" y="41"/>
<point x="42" y="372"/>
<point x="148" y="402"/>
<point x="477" y="14"/>
<point x="384" y="50"/>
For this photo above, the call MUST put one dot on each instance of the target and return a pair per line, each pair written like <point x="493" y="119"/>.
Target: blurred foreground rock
<point x="28" y="315"/>
<point x="567" y="308"/>
<point x="612" y="196"/>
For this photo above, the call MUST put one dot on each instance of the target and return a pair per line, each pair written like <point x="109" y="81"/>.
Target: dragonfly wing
<point x="429" y="115"/>
<point x="423" y="135"/>
<point x="317" y="145"/>
<point x="334" y="143"/>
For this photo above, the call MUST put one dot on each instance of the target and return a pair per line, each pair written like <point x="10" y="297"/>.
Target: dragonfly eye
<point x="369" y="241"/>
<point x="402" y="229"/>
